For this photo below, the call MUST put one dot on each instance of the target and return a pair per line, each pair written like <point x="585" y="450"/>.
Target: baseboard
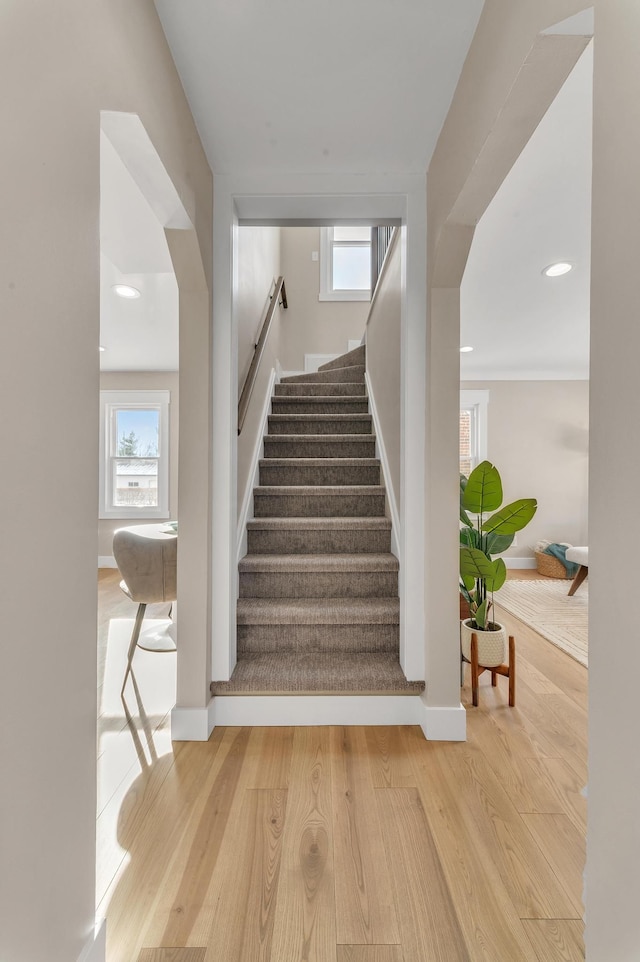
<point x="443" y="724"/>
<point x="386" y="473"/>
<point x="246" y="511"/>
<point x="106" y="561"/>
<point x="96" y="948"/>
<point x="520" y="562"/>
<point x="313" y="361"/>
<point x="277" y="710"/>
<point x="192" y="724"/>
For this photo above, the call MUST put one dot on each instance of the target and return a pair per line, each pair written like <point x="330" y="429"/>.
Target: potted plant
<point x="481" y="574"/>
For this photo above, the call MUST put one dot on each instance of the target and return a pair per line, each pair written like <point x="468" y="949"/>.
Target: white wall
<point x="311" y="326"/>
<point x="144" y="381"/>
<point x="62" y="64"/>
<point x="538" y="438"/>
<point x="384" y="343"/>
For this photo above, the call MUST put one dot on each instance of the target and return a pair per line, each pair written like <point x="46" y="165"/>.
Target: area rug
<point x="547" y="608"/>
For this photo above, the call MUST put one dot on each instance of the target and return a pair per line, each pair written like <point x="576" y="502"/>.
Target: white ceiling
<point x="337" y="86"/>
<point x="521" y="324"/>
<point x="139" y="334"/>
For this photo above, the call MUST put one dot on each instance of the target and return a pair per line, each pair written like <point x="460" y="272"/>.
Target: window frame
<point x="327" y="292"/>
<point x="110" y="403"/>
<point x="477" y="403"/>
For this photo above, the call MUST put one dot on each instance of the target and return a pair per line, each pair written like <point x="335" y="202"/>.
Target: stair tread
<point x="318" y="673"/>
<point x="314" y="524"/>
<point x="355" y="356"/>
<point x="320" y="462"/>
<point x="329" y="438"/>
<point x="354" y="372"/>
<point x="320" y="398"/>
<point x="319" y="562"/>
<point x="277" y="418"/>
<point x="318" y="611"/>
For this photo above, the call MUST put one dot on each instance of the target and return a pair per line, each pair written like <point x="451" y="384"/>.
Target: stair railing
<point x="381" y="237"/>
<point x="279" y="296"/>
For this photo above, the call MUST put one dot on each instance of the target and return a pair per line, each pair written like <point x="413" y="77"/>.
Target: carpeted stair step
<point x="319" y="471"/>
<point x="319" y="501"/>
<point x="328" y="624"/>
<point x="320" y="405"/>
<point x="319" y="535"/>
<point x="321" y="389"/>
<point x="355" y="357"/>
<point x="318" y="673"/>
<point x="319" y="423"/>
<point x="319" y="446"/>
<point x="319" y="576"/>
<point x="336" y="375"/>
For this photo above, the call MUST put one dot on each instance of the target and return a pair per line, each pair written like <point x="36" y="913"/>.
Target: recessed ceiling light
<point x="101" y="348"/>
<point x="125" y="290"/>
<point x="555" y="270"/>
<point x="465" y="350"/>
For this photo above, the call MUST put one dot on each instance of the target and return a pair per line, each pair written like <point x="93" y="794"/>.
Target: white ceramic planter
<point x="492" y="645"/>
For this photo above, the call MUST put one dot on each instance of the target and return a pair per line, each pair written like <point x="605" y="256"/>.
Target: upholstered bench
<point x="579" y="556"/>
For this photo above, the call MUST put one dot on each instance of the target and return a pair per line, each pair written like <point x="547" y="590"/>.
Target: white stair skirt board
<point x="438" y="724"/>
<point x="313" y="361"/>
<point x="386" y="473"/>
<point x="520" y="563"/>
<point x="246" y="511"/>
<point x="106" y="561"/>
<point x="96" y="948"/>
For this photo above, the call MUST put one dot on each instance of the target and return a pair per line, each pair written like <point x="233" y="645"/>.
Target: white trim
<point x="192" y="724"/>
<point x="106" y="561"/>
<point x="95" y="949"/>
<point x="110" y="402"/>
<point x="275" y="710"/>
<point x="327" y="292"/>
<point x="352" y="345"/>
<point x="519" y="562"/>
<point x="246" y="511"/>
<point x="381" y="452"/>
<point x="443" y="724"/>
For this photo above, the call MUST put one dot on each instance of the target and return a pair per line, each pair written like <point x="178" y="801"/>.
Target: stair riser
<point x="352" y="374"/>
<point x="312" y="474"/>
<point x="304" y="406"/>
<point x="319" y="542"/>
<point x="339" y="389"/>
<point x="317" y="506"/>
<point x="318" y="584"/>
<point x="291" y="447"/>
<point x="326" y="638"/>
<point x="323" y="426"/>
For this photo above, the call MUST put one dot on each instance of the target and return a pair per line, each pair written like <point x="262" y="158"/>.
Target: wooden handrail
<point x="250" y="380"/>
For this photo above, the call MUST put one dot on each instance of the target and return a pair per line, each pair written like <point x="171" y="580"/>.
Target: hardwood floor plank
<point x="564" y="847"/>
<point x="237" y="923"/>
<point x="428" y="920"/>
<point x="365" y="910"/>
<point x="172" y="955"/>
<point x="484" y="805"/>
<point x="569" y="788"/>
<point x="488" y="919"/>
<point x="556" y="940"/>
<point x="389" y="763"/>
<point x="305" y="924"/>
<point x="269" y="758"/>
<point x="370" y="953"/>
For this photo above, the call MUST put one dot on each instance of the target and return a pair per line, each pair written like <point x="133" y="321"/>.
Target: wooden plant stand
<point x="508" y="670"/>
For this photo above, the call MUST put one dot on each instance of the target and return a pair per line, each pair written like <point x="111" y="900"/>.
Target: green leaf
<point x="480" y="617"/>
<point x="498" y="575"/>
<point x="497" y="543"/>
<point x="468" y="581"/>
<point x="513" y="517"/>
<point x="474" y="564"/>
<point x="469" y="537"/>
<point x="464" y="517"/>
<point x="466" y="592"/>
<point x="483" y="491"/>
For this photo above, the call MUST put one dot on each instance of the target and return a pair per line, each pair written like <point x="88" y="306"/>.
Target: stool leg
<point x="512" y="671"/>
<point x="474" y="668"/>
<point x="135" y="634"/>
<point x="494" y="678"/>
<point x="583" y="571"/>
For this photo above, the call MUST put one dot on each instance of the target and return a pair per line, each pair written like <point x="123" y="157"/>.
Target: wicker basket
<point x="550" y="567"/>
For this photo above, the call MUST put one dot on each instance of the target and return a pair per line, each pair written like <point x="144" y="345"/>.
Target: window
<point x="345" y="263"/>
<point x="134" y="454"/>
<point x="473" y="429"/>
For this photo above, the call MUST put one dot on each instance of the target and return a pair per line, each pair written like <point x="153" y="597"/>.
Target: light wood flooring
<point x="342" y="844"/>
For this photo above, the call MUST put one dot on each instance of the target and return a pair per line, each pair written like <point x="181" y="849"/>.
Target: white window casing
<point x="477" y="404"/>
<point x="153" y="468"/>
<point x="336" y="239"/>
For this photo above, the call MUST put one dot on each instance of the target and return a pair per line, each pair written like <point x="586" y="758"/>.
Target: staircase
<point x="318" y="611"/>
